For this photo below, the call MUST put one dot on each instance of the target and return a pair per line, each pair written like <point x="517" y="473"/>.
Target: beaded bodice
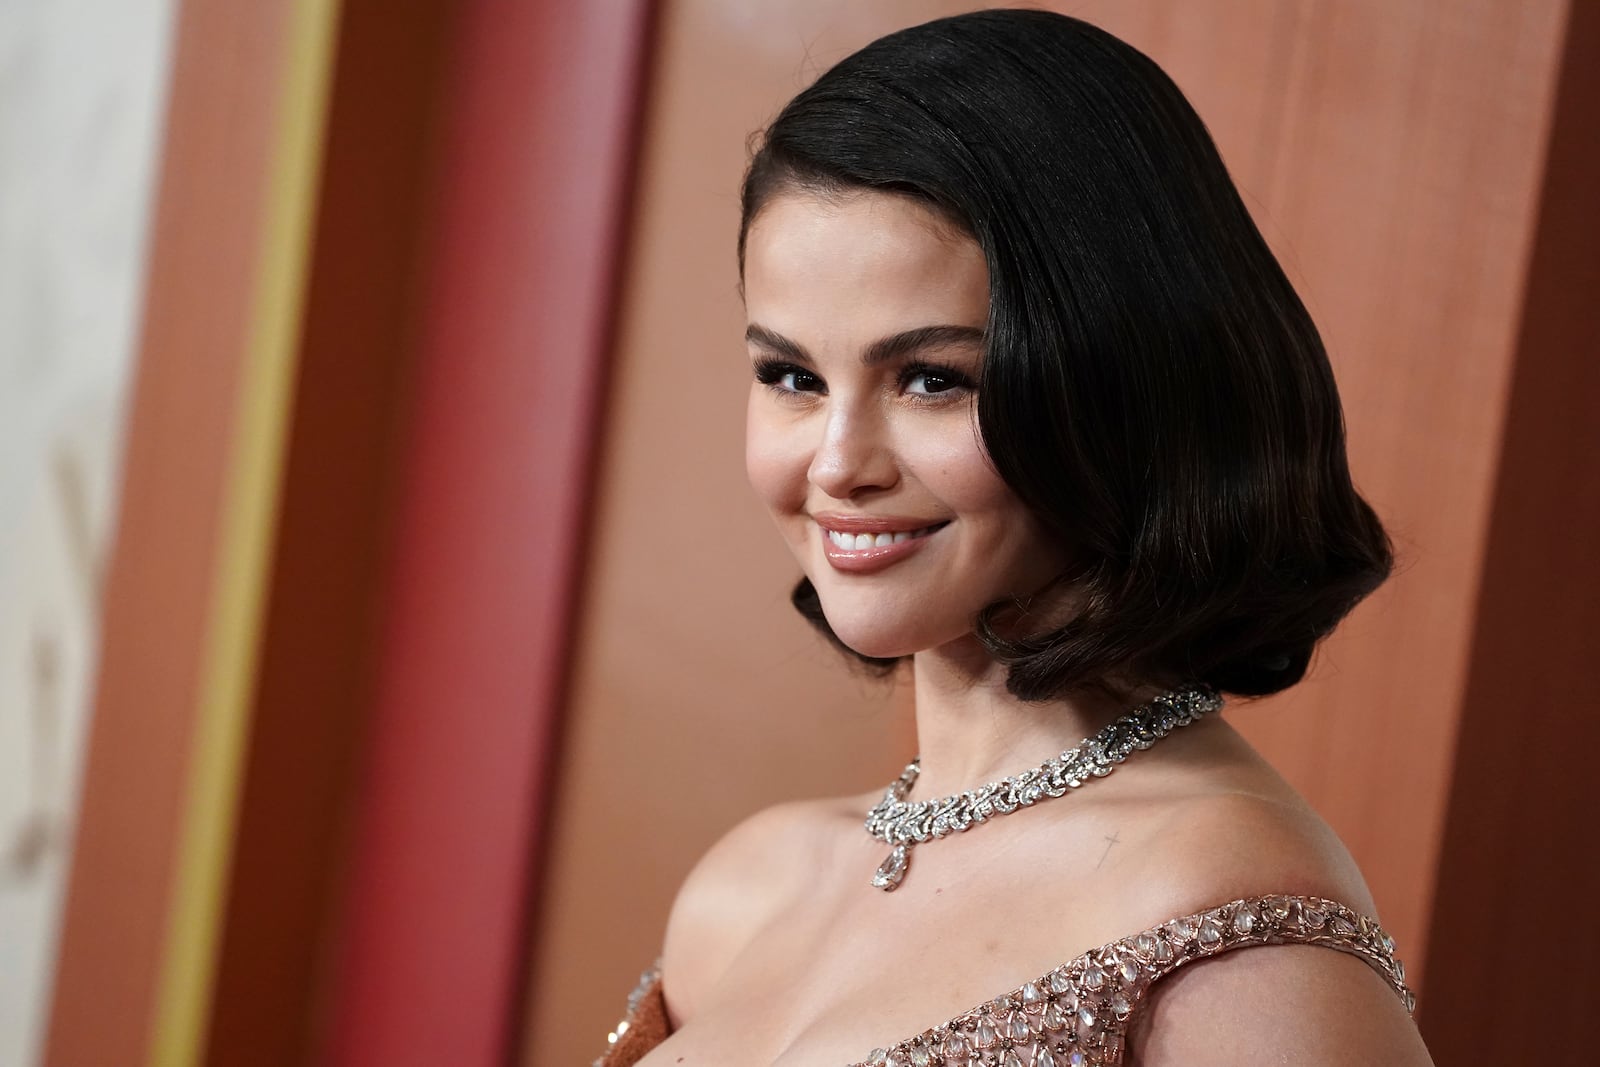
<point x="1077" y="1014"/>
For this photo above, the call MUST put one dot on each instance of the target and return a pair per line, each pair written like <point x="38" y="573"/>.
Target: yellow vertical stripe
<point x="250" y="502"/>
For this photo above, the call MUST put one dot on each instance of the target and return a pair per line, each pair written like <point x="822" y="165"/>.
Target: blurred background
<point x="385" y="625"/>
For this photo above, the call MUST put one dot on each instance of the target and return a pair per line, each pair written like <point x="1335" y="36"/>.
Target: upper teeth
<point x="855" y="542"/>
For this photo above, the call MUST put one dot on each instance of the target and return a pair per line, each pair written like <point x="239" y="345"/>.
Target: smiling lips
<point x="859" y="544"/>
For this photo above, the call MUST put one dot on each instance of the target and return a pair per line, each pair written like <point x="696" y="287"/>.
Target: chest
<point x="847" y="969"/>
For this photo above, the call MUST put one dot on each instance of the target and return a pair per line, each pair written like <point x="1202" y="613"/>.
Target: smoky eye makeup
<point x="927" y="381"/>
<point x="936" y="379"/>
<point x="785" y="377"/>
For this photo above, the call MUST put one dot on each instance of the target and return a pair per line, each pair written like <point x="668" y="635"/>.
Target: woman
<point x="1039" y="416"/>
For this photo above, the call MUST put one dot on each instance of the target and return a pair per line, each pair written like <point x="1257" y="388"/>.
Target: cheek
<point x="1000" y="530"/>
<point x="773" y="461"/>
<point x="952" y="463"/>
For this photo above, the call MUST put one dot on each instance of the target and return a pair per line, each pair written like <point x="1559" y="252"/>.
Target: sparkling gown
<point x="1078" y="1014"/>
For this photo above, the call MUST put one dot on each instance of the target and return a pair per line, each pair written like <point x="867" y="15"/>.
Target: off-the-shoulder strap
<point x="1077" y="1015"/>
<point x="644" y="1026"/>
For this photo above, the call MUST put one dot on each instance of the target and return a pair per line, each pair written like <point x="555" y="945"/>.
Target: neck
<point x="971" y="730"/>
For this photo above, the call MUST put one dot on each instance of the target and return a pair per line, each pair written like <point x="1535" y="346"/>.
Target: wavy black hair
<point x="1152" y="387"/>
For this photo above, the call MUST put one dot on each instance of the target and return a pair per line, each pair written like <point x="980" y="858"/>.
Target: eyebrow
<point x="883" y="350"/>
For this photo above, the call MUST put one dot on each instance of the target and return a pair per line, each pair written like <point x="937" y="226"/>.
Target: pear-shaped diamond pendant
<point x="893" y="869"/>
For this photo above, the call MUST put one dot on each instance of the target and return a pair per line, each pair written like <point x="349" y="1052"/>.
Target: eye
<point x="926" y="380"/>
<point x="787" y="378"/>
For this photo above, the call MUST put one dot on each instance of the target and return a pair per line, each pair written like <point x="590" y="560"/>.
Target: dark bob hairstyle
<point x="1152" y="388"/>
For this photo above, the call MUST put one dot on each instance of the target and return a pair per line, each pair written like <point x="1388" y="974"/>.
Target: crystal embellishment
<point x="1080" y="1012"/>
<point x="1076" y="1025"/>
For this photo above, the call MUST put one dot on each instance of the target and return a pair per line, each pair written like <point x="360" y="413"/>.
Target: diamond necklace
<point x="903" y="825"/>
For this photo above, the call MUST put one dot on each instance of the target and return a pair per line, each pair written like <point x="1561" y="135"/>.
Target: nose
<point x="854" y="455"/>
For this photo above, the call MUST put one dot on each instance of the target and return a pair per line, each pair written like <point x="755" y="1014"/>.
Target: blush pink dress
<point x="1078" y="1014"/>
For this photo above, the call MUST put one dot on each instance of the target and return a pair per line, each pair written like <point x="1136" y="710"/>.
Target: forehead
<point x="875" y="261"/>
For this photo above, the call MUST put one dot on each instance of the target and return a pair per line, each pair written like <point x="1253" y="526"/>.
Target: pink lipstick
<point x="861" y="544"/>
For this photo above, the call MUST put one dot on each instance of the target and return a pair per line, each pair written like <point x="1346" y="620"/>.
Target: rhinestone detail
<point x="1086" y="1005"/>
<point x="1086" y="1026"/>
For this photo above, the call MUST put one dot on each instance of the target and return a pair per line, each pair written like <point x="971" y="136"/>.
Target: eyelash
<point x="771" y="372"/>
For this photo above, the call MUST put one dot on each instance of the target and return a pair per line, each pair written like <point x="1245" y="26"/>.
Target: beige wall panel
<point x="1392" y="154"/>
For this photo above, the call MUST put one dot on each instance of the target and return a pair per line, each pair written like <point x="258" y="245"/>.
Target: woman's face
<point x="865" y="328"/>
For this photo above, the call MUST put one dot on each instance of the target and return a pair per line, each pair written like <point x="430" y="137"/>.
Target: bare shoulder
<point x="738" y="887"/>
<point x="1269" y="1004"/>
<point x="1220" y="846"/>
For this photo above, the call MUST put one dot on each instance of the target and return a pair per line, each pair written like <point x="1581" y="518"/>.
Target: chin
<point x="876" y="646"/>
<point x="888" y="635"/>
